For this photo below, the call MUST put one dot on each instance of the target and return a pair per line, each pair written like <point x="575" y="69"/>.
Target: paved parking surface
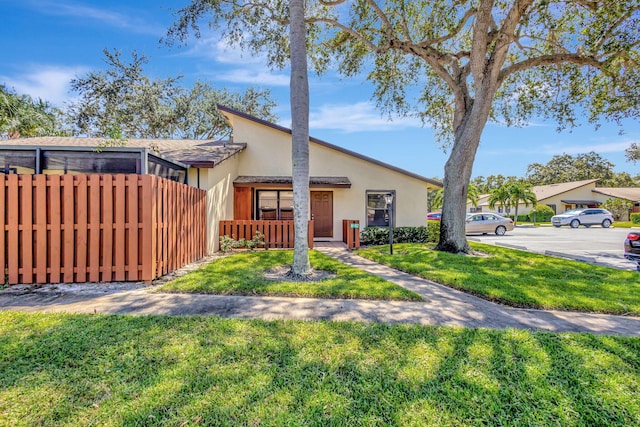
<point x="594" y="245"/>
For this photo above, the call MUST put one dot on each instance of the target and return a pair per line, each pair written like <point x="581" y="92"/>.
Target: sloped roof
<point x="193" y="152"/>
<point x="314" y="181"/>
<point x="546" y="191"/>
<point x="628" y="193"/>
<point x="223" y="109"/>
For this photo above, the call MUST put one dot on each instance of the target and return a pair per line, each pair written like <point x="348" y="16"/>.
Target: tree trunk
<point x="299" y="94"/>
<point x="457" y="173"/>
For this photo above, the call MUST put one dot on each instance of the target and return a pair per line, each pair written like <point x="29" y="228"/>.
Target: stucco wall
<point x="218" y="182"/>
<point x="269" y="154"/>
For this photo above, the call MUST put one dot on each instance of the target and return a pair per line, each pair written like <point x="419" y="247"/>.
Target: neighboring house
<point x="630" y="194"/>
<point x="248" y="178"/>
<point x="565" y="196"/>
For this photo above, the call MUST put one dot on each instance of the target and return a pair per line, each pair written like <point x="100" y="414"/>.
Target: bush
<point x="228" y="243"/>
<point x="543" y="213"/>
<point x="635" y="218"/>
<point x="380" y="235"/>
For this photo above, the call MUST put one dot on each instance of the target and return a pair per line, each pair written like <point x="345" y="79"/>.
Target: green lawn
<point x="71" y="370"/>
<point x="520" y="278"/>
<point x="243" y="274"/>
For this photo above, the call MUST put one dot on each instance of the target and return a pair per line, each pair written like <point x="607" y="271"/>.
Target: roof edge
<point x="243" y="115"/>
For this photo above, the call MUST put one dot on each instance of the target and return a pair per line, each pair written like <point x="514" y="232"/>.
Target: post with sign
<point x="351" y="233"/>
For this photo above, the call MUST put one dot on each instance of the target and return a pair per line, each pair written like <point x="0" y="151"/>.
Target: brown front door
<point x="322" y="213"/>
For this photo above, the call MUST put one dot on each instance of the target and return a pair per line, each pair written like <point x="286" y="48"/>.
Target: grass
<point x="243" y="274"/>
<point x="520" y="279"/>
<point x="69" y="370"/>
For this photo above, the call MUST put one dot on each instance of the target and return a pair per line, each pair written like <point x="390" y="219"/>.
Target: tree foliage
<point x="491" y="182"/>
<point x="437" y="197"/>
<point x="567" y="168"/>
<point x="619" y="208"/>
<point x="458" y="64"/>
<point x="22" y="116"/>
<point x="633" y="153"/>
<point x="122" y="102"/>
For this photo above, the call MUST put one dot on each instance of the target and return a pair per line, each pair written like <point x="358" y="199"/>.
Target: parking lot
<point x="594" y="245"/>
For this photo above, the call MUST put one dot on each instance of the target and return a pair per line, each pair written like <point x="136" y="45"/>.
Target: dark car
<point x="632" y="247"/>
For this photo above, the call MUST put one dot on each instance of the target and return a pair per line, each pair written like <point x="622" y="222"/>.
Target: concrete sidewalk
<point x="444" y="306"/>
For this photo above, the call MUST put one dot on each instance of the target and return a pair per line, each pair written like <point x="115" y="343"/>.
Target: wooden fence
<point x="277" y="234"/>
<point x="97" y="228"/>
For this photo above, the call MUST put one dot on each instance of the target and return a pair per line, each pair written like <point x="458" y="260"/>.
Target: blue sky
<point x="48" y="42"/>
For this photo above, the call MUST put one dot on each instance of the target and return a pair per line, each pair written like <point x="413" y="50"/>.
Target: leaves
<point x="22" y="116"/>
<point x="122" y="102"/>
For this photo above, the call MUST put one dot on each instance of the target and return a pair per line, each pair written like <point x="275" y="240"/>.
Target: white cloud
<point x="128" y="21"/>
<point x="223" y="51"/>
<point x="358" y="117"/>
<point x="49" y="83"/>
<point x="255" y="77"/>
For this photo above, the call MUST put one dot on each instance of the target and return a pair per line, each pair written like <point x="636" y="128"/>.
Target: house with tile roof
<point x="246" y="178"/>
<point x="564" y="196"/>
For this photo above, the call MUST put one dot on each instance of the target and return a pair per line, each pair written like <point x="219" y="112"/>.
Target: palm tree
<point x="499" y="196"/>
<point x="22" y="116"/>
<point x="299" y="95"/>
<point x="511" y="194"/>
<point x="473" y="195"/>
<point x="520" y="191"/>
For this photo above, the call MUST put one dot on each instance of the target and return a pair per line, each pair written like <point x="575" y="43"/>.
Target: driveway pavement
<point x="595" y="245"/>
<point x="443" y="305"/>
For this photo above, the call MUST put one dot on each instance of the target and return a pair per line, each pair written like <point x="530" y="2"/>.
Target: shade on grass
<point x="519" y="278"/>
<point x="70" y="370"/>
<point x="243" y="274"/>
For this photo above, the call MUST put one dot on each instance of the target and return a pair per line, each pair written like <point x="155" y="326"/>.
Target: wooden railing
<point x="277" y="234"/>
<point x="351" y="233"/>
<point x="97" y="228"/>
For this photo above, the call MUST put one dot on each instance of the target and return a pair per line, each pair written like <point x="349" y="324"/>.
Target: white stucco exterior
<point x="268" y="153"/>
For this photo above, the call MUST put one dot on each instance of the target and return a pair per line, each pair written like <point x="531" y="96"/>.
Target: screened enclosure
<point x="72" y="160"/>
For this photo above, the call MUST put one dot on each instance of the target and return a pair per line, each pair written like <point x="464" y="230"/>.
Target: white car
<point x="587" y="217"/>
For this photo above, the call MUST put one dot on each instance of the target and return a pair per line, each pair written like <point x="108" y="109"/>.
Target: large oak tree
<point x="459" y="63"/>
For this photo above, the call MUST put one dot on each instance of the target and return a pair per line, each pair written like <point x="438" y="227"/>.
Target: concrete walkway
<point x="444" y="306"/>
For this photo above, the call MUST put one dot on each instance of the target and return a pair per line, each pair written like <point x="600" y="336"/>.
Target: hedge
<point x="380" y="235"/>
<point x="635" y="218"/>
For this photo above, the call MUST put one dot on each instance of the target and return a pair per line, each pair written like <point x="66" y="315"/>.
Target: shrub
<point x="635" y="218"/>
<point x="543" y="213"/>
<point x="380" y="235"/>
<point x="619" y="208"/>
<point x="228" y="243"/>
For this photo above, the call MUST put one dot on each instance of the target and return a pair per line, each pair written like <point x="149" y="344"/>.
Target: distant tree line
<point x="563" y="168"/>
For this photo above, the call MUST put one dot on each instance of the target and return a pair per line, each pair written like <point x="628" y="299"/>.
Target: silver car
<point x="487" y="223"/>
<point x="587" y="217"/>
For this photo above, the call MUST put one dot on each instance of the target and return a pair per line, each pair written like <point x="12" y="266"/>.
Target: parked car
<point x="632" y="247"/>
<point x="587" y="217"/>
<point x="488" y="223"/>
<point x="434" y="216"/>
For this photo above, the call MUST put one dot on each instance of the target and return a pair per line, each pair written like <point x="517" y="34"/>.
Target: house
<point x="248" y="178"/>
<point x="629" y="194"/>
<point x="564" y="196"/>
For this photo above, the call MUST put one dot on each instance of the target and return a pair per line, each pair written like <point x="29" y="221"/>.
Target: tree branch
<point x="558" y="58"/>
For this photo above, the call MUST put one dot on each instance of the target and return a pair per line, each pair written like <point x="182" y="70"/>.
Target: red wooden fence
<point x="97" y="228"/>
<point x="277" y="234"/>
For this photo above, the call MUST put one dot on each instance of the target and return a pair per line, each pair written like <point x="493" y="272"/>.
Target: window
<point x="377" y="214"/>
<point x="274" y="204"/>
